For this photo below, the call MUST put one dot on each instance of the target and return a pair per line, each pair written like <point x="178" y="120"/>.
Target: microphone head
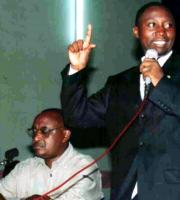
<point x="151" y="53"/>
<point x="11" y="153"/>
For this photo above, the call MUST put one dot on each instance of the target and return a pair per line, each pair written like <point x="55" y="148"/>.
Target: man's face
<point x="50" y="145"/>
<point x="156" y="30"/>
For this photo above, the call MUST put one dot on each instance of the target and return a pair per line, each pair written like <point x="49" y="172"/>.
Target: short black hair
<point x="57" y="111"/>
<point x="145" y="7"/>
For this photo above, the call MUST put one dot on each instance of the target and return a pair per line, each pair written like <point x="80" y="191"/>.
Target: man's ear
<point x="67" y="135"/>
<point x="136" y="32"/>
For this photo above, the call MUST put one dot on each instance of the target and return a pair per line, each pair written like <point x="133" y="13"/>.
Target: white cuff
<point x="72" y="71"/>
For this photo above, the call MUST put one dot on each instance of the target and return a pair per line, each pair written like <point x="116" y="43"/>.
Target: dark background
<point x="174" y="6"/>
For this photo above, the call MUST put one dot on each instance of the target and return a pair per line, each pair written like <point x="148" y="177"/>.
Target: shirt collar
<point x="64" y="157"/>
<point x="61" y="159"/>
<point x="162" y="59"/>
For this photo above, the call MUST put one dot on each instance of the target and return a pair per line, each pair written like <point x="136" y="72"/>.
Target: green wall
<point x="33" y="41"/>
<point x="34" y="35"/>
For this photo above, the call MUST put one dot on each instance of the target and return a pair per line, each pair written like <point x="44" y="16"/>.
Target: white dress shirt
<point x="33" y="176"/>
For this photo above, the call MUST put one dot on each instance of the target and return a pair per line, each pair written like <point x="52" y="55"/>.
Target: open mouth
<point x="159" y="43"/>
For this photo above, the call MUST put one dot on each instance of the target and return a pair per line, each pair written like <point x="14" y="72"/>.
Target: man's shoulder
<point x="82" y="156"/>
<point x="82" y="159"/>
<point x="29" y="162"/>
<point x="87" y="163"/>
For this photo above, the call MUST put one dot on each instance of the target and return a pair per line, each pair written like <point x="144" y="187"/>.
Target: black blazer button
<point x="141" y="143"/>
<point x="142" y="115"/>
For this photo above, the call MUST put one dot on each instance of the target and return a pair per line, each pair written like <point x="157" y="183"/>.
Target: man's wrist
<point x="72" y="70"/>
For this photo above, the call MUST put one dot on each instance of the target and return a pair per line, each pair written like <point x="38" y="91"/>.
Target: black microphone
<point x="9" y="155"/>
<point x="153" y="54"/>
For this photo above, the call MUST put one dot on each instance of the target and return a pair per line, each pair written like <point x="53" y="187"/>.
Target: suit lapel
<point x="172" y="67"/>
<point x="136" y="87"/>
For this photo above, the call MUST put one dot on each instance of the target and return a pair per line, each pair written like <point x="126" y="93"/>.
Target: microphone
<point x="153" y="54"/>
<point x="9" y="155"/>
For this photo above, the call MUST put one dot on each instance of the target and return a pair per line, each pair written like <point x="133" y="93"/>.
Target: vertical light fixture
<point x="79" y="19"/>
<point x="71" y="12"/>
<point x="76" y="19"/>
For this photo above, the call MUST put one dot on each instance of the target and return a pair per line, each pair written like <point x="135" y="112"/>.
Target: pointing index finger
<point x="88" y="37"/>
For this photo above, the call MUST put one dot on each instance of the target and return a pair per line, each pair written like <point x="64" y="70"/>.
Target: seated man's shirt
<point x="33" y="176"/>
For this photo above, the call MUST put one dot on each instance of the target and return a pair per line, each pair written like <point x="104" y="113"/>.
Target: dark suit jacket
<point x="149" y="151"/>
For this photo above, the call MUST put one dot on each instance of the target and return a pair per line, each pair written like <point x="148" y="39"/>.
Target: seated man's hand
<point x="1" y="197"/>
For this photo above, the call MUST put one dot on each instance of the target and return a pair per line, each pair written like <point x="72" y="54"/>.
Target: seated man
<point x="56" y="160"/>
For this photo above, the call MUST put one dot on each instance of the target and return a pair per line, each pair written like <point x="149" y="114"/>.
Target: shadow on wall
<point x="174" y="6"/>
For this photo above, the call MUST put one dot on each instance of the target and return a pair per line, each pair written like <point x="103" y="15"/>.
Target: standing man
<point x="56" y="161"/>
<point x="145" y="162"/>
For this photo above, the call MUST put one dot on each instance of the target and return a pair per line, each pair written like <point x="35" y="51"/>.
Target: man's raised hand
<point x="80" y="50"/>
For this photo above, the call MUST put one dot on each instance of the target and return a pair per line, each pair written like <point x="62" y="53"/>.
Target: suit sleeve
<point x="166" y="95"/>
<point x="80" y="110"/>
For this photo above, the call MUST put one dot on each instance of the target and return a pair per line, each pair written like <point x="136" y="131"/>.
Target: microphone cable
<point x="106" y="152"/>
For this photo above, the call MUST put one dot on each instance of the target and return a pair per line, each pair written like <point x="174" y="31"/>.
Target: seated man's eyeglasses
<point x="44" y="131"/>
